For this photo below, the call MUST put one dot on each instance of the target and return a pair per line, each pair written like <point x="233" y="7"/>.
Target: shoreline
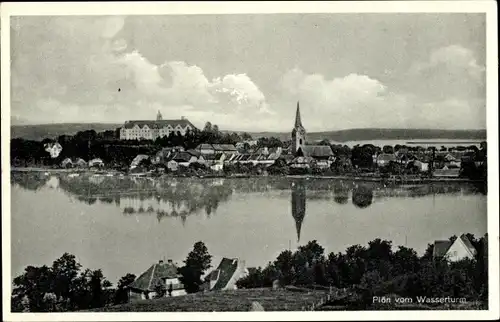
<point x="394" y="179"/>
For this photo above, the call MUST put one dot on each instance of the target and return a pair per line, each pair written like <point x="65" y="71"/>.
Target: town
<point x="177" y="147"/>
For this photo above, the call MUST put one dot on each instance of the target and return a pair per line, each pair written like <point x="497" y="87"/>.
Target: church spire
<point x="298" y="121"/>
<point x="158" y="116"/>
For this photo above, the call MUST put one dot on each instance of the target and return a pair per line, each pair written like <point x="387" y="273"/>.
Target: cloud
<point x="70" y="70"/>
<point x="358" y="101"/>
<point x="94" y="69"/>
<point x="449" y="72"/>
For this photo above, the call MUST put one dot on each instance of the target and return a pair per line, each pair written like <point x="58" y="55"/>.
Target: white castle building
<point x="151" y="130"/>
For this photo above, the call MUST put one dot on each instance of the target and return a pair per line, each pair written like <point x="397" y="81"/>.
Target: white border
<point x="149" y="8"/>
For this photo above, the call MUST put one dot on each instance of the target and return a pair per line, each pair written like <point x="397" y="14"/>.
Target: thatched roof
<point x="156" y="274"/>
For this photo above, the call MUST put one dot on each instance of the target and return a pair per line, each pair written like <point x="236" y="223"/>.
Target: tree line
<point x="378" y="270"/>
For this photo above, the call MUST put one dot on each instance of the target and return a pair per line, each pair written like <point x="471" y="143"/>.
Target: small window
<point x="300" y="141"/>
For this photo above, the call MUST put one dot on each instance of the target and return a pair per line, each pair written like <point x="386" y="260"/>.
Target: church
<point x="304" y="153"/>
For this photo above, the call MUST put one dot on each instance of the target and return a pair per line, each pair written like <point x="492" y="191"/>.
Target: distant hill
<point x="41" y="131"/>
<point x="382" y="134"/>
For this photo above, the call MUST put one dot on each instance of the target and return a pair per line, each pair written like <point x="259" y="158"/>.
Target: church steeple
<point x="158" y="116"/>
<point x="298" y="121"/>
<point x="298" y="134"/>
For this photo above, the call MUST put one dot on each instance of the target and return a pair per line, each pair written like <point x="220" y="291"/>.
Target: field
<point x="223" y="301"/>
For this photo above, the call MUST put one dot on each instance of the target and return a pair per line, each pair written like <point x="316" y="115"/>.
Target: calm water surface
<point x="125" y="224"/>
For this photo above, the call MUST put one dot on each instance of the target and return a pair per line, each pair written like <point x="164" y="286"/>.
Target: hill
<point x="41" y="131"/>
<point x="225" y="301"/>
<point x="382" y="134"/>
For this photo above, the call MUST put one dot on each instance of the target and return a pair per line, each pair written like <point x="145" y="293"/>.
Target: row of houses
<point x="80" y="163"/>
<point x="441" y="161"/>
<point x="165" y="275"/>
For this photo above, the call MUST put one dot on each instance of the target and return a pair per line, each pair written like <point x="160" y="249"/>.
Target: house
<point x="384" y="159"/>
<point x="160" y="274"/>
<point x="67" y="163"/>
<point x="80" y="163"/>
<point x="162" y="155"/>
<point x="454" y="251"/>
<point x="184" y="158"/>
<point x="421" y="166"/>
<point x="197" y="154"/>
<point x="225" y="276"/>
<point x="151" y="130"/>
<point x="96" y="163"/>
<point x="445" y="172"/>
<point x="137" y="160"/>
<point x="53" y="148"/>
<point x="225" y="148"/>
<point x="217" y="161"/>
<point x="230" y="158"/>
<point x="302" y="162"/>
<point x="318" y="152"/>
<point x="205" y="149"/>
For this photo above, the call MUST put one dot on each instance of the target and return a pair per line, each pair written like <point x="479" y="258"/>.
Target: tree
<point x="121" y="295"/>
<point x="196" y="263"/>
<point x="405" y="261"/>
<point x="313" y="252"/>
<point x="284" y="265"/>
<point x="31" y="288"/>
<point x="65" y="271"/>
<point x="208" y="127"/>
<point x="388" y="149"/>
<point x="246" y="137"/>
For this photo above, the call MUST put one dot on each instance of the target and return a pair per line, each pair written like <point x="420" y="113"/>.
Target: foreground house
<point x="159" y="274"/>
<point x="454" y="251"/>
<point x="225" y="276"/>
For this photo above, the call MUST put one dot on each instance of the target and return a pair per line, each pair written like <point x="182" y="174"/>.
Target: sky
<point x="247" y="72"/>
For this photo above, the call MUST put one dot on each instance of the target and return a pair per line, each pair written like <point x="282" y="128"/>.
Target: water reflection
<point x="341" y="194"/>
<point x="30" y="181"/>
<point x="362" y="196"/>
<point x="298" y="188"/>
<point x="184" y="197"/>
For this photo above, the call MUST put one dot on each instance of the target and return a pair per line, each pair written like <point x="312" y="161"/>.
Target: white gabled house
<point x="454" y="251"/>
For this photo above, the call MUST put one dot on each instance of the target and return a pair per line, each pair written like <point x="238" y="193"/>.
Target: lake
<point x="438" y="143"/>
<point x="125" y="224"/>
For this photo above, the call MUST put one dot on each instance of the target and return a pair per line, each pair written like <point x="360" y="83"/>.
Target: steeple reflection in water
<point x="298" y="204"/>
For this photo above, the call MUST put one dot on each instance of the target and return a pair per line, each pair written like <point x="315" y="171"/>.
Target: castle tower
<point x="298" y="133"/>
<point x="158" y="116"/>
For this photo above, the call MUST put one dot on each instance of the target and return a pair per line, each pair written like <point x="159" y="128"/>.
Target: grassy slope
<point x="223" y="301"/>
<point x="41" y="131"/>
